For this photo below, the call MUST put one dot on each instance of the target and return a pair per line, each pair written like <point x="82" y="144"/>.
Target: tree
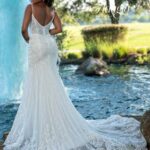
<point x="89" y="8"/>
<point x="115" y="14"/>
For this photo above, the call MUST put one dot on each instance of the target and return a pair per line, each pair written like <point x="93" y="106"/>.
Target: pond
<point x="124" y="92"/>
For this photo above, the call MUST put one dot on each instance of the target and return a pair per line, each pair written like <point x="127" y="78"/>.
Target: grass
<point x="138" y="38"/>
<point x="139" y="35"/>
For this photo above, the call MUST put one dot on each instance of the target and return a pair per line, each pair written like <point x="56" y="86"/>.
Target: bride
<point x="46" y="118"/>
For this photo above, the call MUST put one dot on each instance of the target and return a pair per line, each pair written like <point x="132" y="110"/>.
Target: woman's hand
<point x="28" y="41"/>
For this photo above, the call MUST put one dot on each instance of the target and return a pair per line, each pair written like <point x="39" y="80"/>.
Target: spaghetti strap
<point x="32" y="7"/>
<point x="53" y="13"/>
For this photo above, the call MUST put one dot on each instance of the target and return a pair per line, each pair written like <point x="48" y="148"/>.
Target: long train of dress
<point x="47" y="119"/>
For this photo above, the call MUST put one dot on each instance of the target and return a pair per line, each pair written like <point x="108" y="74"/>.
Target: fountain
<point x="12" y="49"/>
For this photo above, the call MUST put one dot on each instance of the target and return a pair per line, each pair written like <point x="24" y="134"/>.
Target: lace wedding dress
<point x="47" y="119"/>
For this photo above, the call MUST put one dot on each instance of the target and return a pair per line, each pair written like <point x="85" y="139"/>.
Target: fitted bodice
<point x="42" y="45"/>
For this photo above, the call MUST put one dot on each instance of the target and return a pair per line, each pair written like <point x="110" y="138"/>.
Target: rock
<point x="117" y="61"/>
<point x="1" y="145"/>
<point x="145" y="126"/>
<point x="76" y="61"/>
<point x="5" y="135"/>
<point x="4" y="138"/>
<point x="93" y="66"/>
<point x="132" y="58"/>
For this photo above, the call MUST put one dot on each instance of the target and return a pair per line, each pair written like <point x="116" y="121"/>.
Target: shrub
<point x="105" y="33"/>
<point x="100" y="41"/>
<point x="148" y="50"/>
<point x="91" y="50"/>
<point x="120" y="52"/>
<point x="140" y="60"/>
<point x="85" y="54"/>
<point x="105" y="55"/>
<point x="148" y="59"/>
<point x="60" y="39"/>
<point x="72" y="56"/>
<point x="142" y="51"/>
<point x="96" y="53"/>
<point x="106" y="49"/>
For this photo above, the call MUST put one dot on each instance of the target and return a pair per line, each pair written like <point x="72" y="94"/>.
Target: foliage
<point x="117" y="51"/>
<point x="104" y="33"/>
<point x="91" y="50"/>
<point x="74" y="40"/>
<point x="60" y="39"/>
<point x="85" y="9"/>
<point x="137" y="42"/>
<point x="142" y="51"/>
<point x="137" y="37"/>
<point x="107" y="50"/>
<point x="120" y="52"/>
<point x="72" y="56"/>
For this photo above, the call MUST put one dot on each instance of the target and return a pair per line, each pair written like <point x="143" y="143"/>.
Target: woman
<point x="46" y="118"/>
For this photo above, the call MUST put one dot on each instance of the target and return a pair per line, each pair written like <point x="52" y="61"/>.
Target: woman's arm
<point x="26" y="21"/>
<point x="57" y="25"/>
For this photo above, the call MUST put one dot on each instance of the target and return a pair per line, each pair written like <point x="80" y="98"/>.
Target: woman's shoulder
<point x="29" y="7"/>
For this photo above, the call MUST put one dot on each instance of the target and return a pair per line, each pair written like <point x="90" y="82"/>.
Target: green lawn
<point x="139" y="35"/>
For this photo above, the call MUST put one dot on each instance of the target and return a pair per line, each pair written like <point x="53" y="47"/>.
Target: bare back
<point x="42" y="13"/>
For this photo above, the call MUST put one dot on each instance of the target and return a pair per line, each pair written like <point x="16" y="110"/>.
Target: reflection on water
<point x="125" y="92"/>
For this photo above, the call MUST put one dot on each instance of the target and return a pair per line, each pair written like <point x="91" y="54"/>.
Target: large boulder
<point x="145" y="126"/>
<point x="93" y="66"/>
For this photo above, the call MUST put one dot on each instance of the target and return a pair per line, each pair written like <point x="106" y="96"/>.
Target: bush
<point x="101" y="41"/>
<point x="142" y="51"/>
<point x="106" y="49"/>
<point x="105" y="33"/>
<point x="148" y="50"/>
<point x="85" y="54"/>
<point x="96" y="53"/>
<point x="60" y="39"/>
<point x="105" y="55"/>
<point x="91" y="50"/>
<point x="120" y="52"/>
<point x="72" y="56"/>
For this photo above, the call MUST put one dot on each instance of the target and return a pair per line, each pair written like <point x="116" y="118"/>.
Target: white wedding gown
<point x="47" y="119"/>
